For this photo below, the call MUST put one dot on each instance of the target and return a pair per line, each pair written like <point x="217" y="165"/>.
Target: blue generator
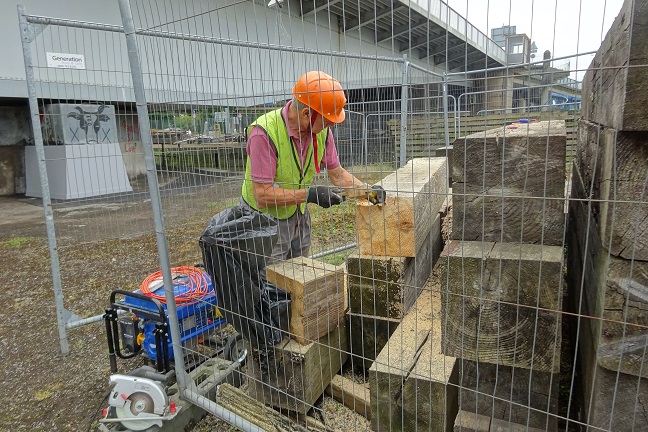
<point x="196" y="308"/>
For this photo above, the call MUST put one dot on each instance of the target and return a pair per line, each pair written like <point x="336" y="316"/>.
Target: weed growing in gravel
<point x="15" y="242"/>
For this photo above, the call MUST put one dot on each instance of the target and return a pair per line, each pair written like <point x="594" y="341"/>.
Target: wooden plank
<point x="367" y="337"/>
<point x="298" y="374"/>
<point x="511" y="219"/>
<point x="507" y="393"/>
<point x="503" y="303"/>
<point x="261" y="415"/>
<point x="616" y="296"/>
<point x="616" y="91"/>
<point x="413" y="385"/>
<point x="429" y="397"/>
<point x="506" y="426"/>
<point x="622" y="413"/>
<point x="389" y="286"/>
<point x="317" y="296"/>
<point x="353" y="395"/>
<point x="470" y="422"/>
<point x="399" y="228"/>
<point x="526" y="161"/>
<point x="614" y="167"/>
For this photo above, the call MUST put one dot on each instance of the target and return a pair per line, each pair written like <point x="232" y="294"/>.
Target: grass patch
<point x="41" y="395"/>
<point x="15" y="242"/>
<point x="332" y="227"/>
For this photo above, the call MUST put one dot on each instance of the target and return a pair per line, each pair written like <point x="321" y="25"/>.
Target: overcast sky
<point x="564" y="27"/>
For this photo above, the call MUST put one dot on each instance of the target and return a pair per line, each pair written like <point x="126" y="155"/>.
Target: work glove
<point x="324" y="196"/>
<point x="376" y="195"/>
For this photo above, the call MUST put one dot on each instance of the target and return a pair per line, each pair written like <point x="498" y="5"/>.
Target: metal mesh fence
<point x="494" y="281"/>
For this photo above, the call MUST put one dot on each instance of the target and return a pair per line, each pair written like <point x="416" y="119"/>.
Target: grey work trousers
<point x="293" y="236"/>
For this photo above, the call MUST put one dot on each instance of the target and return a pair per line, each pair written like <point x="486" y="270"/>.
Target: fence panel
<point x="181" y="163"/>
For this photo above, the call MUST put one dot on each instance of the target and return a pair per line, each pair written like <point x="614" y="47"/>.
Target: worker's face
<point x="319" y="124"/>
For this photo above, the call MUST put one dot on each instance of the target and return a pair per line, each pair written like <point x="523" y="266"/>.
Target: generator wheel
<point x="237" y="349"/>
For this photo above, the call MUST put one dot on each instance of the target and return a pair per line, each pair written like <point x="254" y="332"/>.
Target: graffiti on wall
<point x="92" y="125"/>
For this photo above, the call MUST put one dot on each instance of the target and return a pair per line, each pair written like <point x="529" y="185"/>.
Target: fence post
<point x="27" y="33"/>
<point x="446" y="128"/>
<point x="149" y="159"/>
<point x="404" y="102"/>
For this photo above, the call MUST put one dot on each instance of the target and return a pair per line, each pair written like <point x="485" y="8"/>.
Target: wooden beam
<point x="261" y="415"/>
<point x="510" y="192"/>
<point x="367" y="337"/>
<point x="614" y="305"/>
<point x="413" y="385"/>
<point x="503" y="303"/>
<point x="316" y="296"/>
<point x="615" y="162"/>
<point x="388" y="286"/>
<point x="298" y="374"/>
<point x="614" y="84"/>
<point x="399" y="227"/>
<point x="353" y="395"/>
<point x="498" y="425"/>
<point x="467" y="421"/>
<point x="517" y="395"/>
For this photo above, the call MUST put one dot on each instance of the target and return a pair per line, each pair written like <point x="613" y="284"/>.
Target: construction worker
<point x="285" y="149"/>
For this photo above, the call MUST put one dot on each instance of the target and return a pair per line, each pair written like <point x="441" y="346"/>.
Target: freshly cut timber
<point x="398" y="228"/>
<point x="316" y="296"/>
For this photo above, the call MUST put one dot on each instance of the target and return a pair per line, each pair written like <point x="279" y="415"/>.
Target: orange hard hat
<point x="322" y="93"/>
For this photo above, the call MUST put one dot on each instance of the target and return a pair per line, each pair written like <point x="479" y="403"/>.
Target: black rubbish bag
<point x="236" y="246"/>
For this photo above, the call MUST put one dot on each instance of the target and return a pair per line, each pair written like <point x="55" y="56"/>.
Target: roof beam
<point x="423" y="41"/>
<point x="372" y="15"/>
<point x="402" y="29"/>
<point x="442" y="48"/>
<point x="313" y="6"/>
<point x="473" y="58"/>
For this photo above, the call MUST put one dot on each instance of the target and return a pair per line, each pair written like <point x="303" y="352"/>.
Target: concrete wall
<point x="218" y="73"/>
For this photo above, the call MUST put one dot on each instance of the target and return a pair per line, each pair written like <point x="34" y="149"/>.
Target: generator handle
<point x="161" y="314"/>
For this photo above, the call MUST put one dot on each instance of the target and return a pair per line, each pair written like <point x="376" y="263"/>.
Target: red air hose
<point x="193" y="284"/>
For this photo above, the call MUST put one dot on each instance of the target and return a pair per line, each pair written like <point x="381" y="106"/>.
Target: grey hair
<point x="299" y="105"/>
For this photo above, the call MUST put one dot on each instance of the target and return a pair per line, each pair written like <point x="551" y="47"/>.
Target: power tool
<point x="137" y="325"/>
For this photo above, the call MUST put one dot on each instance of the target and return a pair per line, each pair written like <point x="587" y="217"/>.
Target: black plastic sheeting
<point x="236" y="246"/>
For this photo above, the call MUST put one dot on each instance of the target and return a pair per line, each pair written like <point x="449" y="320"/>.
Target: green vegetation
<point x="15" y="242"/>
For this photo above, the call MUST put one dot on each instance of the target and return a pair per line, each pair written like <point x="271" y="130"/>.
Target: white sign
<point x="65" y="61"/>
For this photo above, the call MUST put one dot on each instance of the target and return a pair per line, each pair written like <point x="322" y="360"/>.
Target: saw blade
<point x="138" y="406"/>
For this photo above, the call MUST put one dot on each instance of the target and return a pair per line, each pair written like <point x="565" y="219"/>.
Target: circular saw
<point x="138" y="403"/>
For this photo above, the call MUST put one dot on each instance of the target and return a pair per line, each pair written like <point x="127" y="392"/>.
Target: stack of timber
<point x="316" y="296"/>
<point x="398" y="243"/>
<point x="426" y="134"/>
<point x="509" y="184"/>
<point x="501" y="273"/>
<point x="413" y="385"/>
<point x="302" y="366"/>
<point x="608" y="235"/>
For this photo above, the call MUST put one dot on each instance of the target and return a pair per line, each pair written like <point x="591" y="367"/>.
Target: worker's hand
<point x="324" y="196"/>
<point x="376" y="195"/>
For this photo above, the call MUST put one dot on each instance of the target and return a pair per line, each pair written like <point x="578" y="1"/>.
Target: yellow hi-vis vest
<point x="289" y="170"/>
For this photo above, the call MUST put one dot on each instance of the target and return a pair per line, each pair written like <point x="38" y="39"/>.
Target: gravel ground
<point x="103" y="245"/>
